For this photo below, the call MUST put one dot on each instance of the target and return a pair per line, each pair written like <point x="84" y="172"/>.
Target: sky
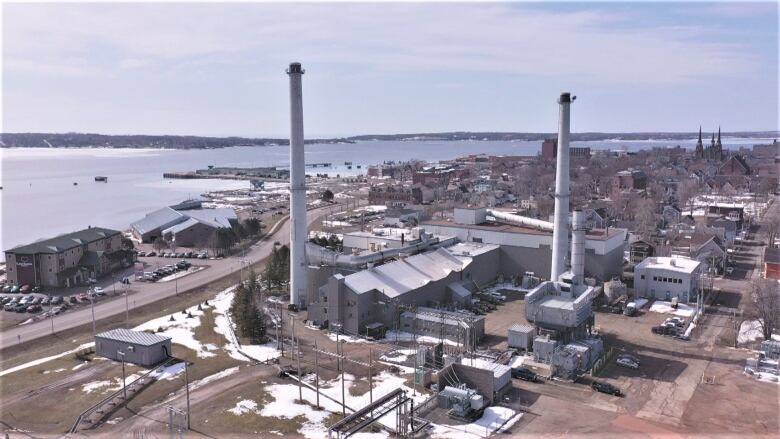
<point x="376" y="68"/>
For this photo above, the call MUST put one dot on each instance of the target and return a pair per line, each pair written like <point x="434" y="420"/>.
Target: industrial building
<point x="667" y="277"/>
<point x="491" y="380"/>
<point x="185" y="228"/>
<point x="381" y="294"/>
<point x="526" y="243"/>
<point x="464" y="328"/>
<point x="380" y="238"/>
<point x="67" y="260"/>
<point x="136" y="347"/>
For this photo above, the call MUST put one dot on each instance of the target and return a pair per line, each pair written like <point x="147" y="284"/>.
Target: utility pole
<point x="92" y="301"/>
<point x="127" y="306"/>
<point x="187" y="389"/>
<point x="51" y="313"/>
<point x="300" y="377"/>
<point x="316" y="372"/>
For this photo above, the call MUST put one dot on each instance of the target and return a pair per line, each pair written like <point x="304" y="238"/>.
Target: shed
<point x="521" y="336"/>
<point x="138" y="347"/>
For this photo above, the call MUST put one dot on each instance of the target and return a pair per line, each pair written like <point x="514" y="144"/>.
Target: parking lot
<point x="22" y="305"/>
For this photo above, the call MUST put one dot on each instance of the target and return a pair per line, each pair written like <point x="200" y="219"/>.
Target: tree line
<point x="247" y="313"/>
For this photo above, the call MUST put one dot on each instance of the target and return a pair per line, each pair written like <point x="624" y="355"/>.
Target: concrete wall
<point x="140" y="355"/>
<point x="647" y="287"/>
<point x="480" y="380"/>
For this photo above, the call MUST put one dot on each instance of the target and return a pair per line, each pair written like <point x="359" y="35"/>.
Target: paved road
<point x="150" y="292"/>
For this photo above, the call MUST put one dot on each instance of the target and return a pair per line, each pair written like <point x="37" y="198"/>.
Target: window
<point x="642" y="277"/>
<point x="476" y="240"/>
<point x="655" y="278"/>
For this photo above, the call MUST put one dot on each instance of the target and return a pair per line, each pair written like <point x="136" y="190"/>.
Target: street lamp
<point x="92" y="301"/>
<point x="124" y="382"/>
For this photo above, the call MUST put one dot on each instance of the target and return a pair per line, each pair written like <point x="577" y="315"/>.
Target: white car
<point x="98" y="291"/>
<point x="627" y="362"/>
<point x="729" y="270"/>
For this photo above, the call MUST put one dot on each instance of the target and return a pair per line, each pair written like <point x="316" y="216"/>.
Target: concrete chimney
<point x="297" y="189"/>
<point x="578" y="247"/>
<point x="560" y="223"/>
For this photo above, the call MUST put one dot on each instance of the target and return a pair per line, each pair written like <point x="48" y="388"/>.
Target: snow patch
<point x="749" y="331"/>
<point x="46" y="359"/>
<point x="664" y="307"/>
<point x="244" y="406"/>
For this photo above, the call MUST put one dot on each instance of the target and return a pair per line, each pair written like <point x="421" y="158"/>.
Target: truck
<point x="630" y="309"/>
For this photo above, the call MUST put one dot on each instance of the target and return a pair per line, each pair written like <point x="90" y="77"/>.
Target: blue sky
<point x="218" y="69"/>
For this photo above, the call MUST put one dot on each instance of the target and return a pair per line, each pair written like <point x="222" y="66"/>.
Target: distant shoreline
<point x="85" y="141"/>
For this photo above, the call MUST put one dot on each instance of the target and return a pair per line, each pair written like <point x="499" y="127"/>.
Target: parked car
<point x="14" y="289"/>
<point x="627" y="362"/>
<point x="141" y="253"/>
<point x="9" y="307"/>
<point x="729" y="270"/>
<point x="36" y="289"/>
<point x="34" y="308"/>
<point x="203" y="256"/>
<point x="20" y="307"/>
<point x="524" y="374"/>
<point x="151" y="254"/>
<point x="73" y="299"/>
<point x="56" y="300"/>
<point x="25" y="289"/>
<point x="99" y="291"/>
<point x="188" y="254"/>
<point x="606" y="388"/>
<point x="36" y="301"/>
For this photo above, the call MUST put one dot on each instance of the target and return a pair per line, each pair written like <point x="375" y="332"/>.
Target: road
<point x="151" y="292"/>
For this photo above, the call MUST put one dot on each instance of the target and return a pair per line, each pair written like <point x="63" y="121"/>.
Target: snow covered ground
<point x="221" y="304"/>
<point x="180" y="274"/>
<point x="45" y="359"/>
<point x="407" y="336"/>
<point x="399" y="356"/>
<point x="505" y="286"/>
<point x="664" y="307"/>
<point x="749" y="331"/>
<point x="494" y="418"/>
<point x="640" y="303"/>
<point x="180" y="330"/>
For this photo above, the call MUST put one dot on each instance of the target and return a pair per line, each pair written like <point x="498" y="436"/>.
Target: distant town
<point x="85" y="140"/>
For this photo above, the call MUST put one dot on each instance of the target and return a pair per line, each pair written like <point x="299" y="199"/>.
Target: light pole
<point x="187" y="389"/>
<point x="124" y="382"/>
<point x="127" y="306"/>
<point x="92" y="301"/>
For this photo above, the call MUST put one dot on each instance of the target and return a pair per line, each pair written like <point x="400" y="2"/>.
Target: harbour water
<point x="39" y="198"/>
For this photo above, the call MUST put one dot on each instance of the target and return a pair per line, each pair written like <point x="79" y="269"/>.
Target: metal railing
<point x="88" y="412"/>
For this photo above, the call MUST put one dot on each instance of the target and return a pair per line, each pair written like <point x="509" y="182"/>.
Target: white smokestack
<point x="560" y="224"/>
<point x="297" y="188"/>
<point x="578" y="247"/>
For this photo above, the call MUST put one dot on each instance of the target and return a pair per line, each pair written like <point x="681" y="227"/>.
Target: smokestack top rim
<point x="565" y="98"/>
<point x="295" y="67"/>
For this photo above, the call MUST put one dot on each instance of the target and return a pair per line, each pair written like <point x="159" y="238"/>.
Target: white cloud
<point x="400" y="38"/>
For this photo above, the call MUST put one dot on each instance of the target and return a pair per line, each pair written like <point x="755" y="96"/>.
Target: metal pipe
<point x="520" y="220"/>
<point x="297" y="188"/>
<point x="320" y="255"/>
<point x="560" y="226"/>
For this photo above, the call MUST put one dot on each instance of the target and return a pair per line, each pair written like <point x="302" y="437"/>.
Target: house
<point x="771" y="268"/>
<point x="707" y="249"/>
<point x="671" y="214"/>
<point x="640" y="250"/>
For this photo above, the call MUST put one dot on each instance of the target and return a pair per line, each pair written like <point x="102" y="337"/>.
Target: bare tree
<point x="646" y="218"/>
<point x="766" y="305"/>
<point x="772" y="226"/>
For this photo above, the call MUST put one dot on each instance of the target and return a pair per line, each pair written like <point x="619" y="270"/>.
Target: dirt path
<point x="155" y="417"/>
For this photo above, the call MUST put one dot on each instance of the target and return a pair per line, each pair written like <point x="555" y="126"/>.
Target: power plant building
<point x="380" y="294"/>
<point x="526" y="248"/>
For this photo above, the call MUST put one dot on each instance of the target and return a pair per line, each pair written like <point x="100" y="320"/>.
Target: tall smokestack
<point x="560" y="224"/>
<point x="297" y="189"/>
<point x="578" y="247"/>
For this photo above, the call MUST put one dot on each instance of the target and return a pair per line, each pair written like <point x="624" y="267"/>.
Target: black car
<point x="524" y="374"/>
<point x="606" y="388"/>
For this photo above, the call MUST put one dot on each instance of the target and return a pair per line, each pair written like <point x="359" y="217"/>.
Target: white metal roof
<point x="139" y="338"/>
<point x="399" y="277"/>
<point x="676" y="263"/>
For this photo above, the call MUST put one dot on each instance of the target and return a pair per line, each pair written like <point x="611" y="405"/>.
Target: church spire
<point x="699" y="146"/>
